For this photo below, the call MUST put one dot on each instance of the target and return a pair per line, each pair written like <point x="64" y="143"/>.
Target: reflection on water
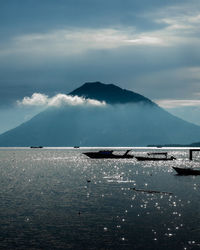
<point x="60" y="199"/>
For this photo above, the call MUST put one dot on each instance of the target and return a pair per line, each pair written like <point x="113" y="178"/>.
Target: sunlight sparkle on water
<point x="62" y="189"/>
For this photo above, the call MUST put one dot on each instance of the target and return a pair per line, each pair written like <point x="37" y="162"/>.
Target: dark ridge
<point x="109" y="93"/>
<point x="195" y="144"/>
<point x="168" y="145"/>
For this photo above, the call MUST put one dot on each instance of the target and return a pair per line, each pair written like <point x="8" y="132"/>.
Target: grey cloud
<point x="25" y="16"/>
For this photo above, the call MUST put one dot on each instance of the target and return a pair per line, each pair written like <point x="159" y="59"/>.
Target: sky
<point x="50" y="47"/>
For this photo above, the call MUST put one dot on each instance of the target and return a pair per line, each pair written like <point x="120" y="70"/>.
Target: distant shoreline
<point x="192" y="145"/>
<point x="166" y="147"/>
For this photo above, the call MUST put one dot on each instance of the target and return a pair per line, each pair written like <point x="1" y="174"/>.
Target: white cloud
<point x="148" y="40"/>
<point x="69" y="42"/>
<point x="90" y="38"/>
<point x="182" y="24"/>
<point x="38" y="99"/>
<point x="169" y="103"/>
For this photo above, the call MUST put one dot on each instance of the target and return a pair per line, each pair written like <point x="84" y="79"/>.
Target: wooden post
<point x="190" y="154"/>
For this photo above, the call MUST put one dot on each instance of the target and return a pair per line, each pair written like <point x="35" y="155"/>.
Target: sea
<point x="58" y="198"/>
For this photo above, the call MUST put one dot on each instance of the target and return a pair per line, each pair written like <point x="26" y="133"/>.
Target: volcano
<point x="127" y="119"/>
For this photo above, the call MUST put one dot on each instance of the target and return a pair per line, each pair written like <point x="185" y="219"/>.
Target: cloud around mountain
<point x="38" y="99"/>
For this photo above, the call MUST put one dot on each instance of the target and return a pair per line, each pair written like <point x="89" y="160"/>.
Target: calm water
<point x="60" y="199"/>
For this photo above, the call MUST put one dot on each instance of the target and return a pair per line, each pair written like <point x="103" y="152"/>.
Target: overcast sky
<point x="51" y="47"/>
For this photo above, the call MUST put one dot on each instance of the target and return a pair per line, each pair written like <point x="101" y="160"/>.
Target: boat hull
<point x="186" y="171"/>
<point x="142" y="158"/>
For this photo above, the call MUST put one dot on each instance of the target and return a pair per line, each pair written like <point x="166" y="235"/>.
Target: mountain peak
<point x="109" y="93"/>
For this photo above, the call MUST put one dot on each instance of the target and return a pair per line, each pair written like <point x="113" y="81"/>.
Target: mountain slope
<point x="124" y="122"/>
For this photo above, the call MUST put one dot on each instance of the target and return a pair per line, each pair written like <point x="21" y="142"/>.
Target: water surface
<point x="60" y="199"/>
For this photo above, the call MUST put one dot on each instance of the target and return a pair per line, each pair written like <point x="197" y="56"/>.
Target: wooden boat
<point x="156" y="156"/>
<point x="186" y="171"/>
<point x="108" y="154"/>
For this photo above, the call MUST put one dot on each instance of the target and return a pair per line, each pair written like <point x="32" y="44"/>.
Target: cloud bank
<point x="170" y="104"/>
<point x="38" y="99"/>
<point x="177" y="28"/>
<point x="69" y="42"/>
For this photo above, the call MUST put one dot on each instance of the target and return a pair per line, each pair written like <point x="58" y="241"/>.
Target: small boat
<point x="186" y="171"/>
<point x="108" y="154"/>
<point x="76" y="147"/>
<point x="36" y="146"/>
<point x="158" y="156"/>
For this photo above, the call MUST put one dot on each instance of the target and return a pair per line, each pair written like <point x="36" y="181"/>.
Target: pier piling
<point x="190" y="153"/>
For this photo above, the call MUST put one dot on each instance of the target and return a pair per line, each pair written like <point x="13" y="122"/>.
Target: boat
<point x="36" y="146"/>
<point x="187" y="171"/>
<point x="76" y="147"/>
<point x="108" y="154"/>
<point x="156" y="156"/>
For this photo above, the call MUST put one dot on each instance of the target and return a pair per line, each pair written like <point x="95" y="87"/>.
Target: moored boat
<point x="108" y="154"/>
<point x="156" y="156"/>
<point x="187" y="171"/>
